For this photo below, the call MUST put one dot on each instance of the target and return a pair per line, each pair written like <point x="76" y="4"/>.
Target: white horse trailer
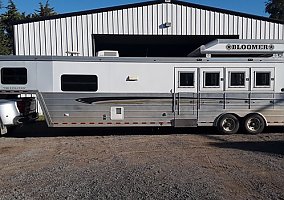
<point x="222" y="89"/>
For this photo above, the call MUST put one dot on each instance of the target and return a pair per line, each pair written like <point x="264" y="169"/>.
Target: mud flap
<point x="3" y="128"/>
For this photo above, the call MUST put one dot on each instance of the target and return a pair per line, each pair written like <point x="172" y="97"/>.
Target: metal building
<point x="154" y="28"/>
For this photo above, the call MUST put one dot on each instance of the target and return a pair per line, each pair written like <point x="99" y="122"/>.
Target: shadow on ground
<point x="40" y="129"/>
<point x="273" y="147"/>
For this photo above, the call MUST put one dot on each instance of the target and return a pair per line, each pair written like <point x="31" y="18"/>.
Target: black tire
<point x="228" y="124"/>
<point x="254" y="124"/>
<point x="11" y="129"/>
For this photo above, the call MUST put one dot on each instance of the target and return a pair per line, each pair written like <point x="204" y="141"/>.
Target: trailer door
<point x="211" y="95"/>
<point x="185" y="96"/>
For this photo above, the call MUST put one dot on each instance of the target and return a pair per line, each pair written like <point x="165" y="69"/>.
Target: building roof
<point x="177" y="2"/>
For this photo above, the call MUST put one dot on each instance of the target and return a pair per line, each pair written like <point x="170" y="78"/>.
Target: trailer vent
<point x="117" y="113"/>
<point x="108" y="53"/>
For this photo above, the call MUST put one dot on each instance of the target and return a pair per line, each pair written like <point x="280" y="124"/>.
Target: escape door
<point x="185" y="96"/>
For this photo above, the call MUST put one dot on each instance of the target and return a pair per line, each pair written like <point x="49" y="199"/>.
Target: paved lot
<point x="37" y="162"/>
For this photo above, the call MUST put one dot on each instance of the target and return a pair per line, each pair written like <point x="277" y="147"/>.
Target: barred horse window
<point x="212" y="79"/>
<point x="262" y="79"/>
<point x="186" y="79"/>
<point x="237" y="79"/>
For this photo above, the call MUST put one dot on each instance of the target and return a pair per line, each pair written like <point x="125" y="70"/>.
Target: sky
<point x="255" y="7"/>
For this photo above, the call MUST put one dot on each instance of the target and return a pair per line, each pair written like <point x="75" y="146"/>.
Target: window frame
<point x="247" y="85"/>
<point x="262" y="86"/>
<point x="272" y="72"/>
<point x="230" y="79"/>
<point x="186" y="72"/>
<point x="78" y="75"/>
<point x="211" y="72"/>
<point x="25" y="82"/>
<point x="213" y="69"/>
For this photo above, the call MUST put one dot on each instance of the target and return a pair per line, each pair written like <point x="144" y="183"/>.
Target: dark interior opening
<point x="153" y="45"/>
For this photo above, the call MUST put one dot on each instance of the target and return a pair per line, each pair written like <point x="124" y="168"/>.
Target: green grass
<point x="41" y="118"/>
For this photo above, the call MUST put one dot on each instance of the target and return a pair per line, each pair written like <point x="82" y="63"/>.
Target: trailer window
<point x="237" y="79"/>
<point x="262" y="79"/>
<point x="186" y="79"/>
<point x="14" y="76"/>
<point x="212" y="79"/>
<point x="79" y="82"/>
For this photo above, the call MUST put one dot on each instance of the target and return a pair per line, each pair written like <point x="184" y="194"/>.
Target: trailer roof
<point x="140" y="59"/>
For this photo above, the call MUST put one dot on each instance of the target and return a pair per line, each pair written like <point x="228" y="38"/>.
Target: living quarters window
<point x="186" y="79"/>
<point x="79" y="82"/>
<point x="237" y="79"/>
<point x="212" y="79"/>
<point x="14" y="76"/>
<point x="262" y="79"/>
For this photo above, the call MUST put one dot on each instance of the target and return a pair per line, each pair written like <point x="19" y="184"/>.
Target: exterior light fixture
<point x="167" y="24"/>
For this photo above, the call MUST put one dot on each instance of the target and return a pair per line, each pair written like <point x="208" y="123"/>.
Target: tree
<point x="6" y="26"/>
<point x="275" y="8"/>
<point x="44" y="10"/>
<point x="13" y="15"/>
<point x="2" y="35"/>
<point x="4" y="42"/>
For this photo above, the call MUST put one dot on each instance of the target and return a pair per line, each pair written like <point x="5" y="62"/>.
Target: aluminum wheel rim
<point x="229" y="124"/>
<point x="254" y="124"/>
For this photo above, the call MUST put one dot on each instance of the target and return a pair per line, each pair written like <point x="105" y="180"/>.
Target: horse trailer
<point x="229" y="84"/>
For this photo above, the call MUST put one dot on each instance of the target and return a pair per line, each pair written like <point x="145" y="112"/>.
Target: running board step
<point x="185" y="122"/>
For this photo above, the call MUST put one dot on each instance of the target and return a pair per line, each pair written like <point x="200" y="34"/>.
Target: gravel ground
<point x="37" y="162"/>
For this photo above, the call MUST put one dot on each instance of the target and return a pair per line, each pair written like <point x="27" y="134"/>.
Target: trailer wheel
<point x="254" y="124"/>
<point x="228" y="124"/>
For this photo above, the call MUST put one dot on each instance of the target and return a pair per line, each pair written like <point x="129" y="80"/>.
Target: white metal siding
<point x="58" y="36"/>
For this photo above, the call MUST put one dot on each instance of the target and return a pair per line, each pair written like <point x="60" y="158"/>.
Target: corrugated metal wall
<point x="58" y="36"/>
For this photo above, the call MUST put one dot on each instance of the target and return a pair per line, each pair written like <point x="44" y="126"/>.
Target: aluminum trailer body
<point x="226" y="92"/>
